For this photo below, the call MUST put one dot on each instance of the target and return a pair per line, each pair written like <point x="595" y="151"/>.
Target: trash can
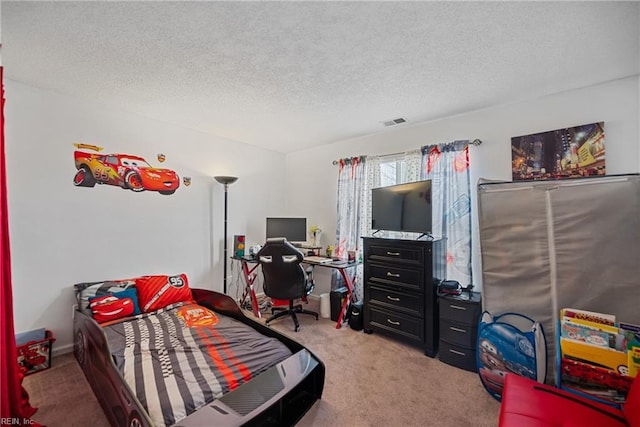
<point x="325" y="306"/>
<point x="356" y="320"/>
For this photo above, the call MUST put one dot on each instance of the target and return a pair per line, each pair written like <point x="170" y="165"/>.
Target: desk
<point x="342" y="267"/>
<point x="250" y="275"/>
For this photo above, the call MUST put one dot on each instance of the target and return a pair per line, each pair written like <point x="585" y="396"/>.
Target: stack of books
<point x="599" y="355"/>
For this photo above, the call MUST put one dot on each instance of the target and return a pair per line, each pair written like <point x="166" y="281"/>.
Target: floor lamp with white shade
<point x="225" y="180"/>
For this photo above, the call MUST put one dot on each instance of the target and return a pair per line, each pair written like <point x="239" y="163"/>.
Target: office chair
<point x="285" y="278"/>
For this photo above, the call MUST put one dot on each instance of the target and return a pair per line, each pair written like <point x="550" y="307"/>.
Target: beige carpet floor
<point x="371" y="380"/>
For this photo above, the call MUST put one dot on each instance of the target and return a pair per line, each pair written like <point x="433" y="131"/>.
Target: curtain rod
<point x="475" y="142"/>
<point x="347" y="159"/>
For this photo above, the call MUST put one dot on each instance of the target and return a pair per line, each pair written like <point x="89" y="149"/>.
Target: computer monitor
<point x="292" y="229"/>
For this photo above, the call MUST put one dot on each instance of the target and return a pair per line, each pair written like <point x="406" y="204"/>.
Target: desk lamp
<point x="225" y="180"/>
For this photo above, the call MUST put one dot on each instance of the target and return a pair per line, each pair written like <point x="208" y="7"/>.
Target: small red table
<point x="250" y="275"/>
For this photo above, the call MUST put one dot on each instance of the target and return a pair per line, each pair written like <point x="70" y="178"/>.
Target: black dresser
<point x="459" y="316"/>
<point x="400" y="282"/>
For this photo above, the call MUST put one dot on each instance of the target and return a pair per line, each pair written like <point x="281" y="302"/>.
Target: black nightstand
<point x="459" y="316"/>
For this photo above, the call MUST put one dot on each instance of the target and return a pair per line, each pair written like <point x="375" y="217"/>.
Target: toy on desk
<point x="329" y="250"/>
<point x="254" y="249"/>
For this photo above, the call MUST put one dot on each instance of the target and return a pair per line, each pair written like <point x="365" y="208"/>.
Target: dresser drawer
<point x="405" y="255"/>
<point x="400" y="324"/>
<point x="459" y="357"/>
<point x="403" y="277"/>
<point x="398" y="301"/>
<point x="460" y="334"/>
<point x="460" y="311"/>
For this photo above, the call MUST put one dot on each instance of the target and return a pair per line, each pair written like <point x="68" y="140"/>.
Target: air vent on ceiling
<point x="394" y="122"/>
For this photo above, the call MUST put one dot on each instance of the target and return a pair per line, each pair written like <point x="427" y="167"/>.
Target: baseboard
<point x="62" y="349"/>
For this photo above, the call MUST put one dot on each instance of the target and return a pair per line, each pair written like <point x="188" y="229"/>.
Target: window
<point x="393" y="170"/>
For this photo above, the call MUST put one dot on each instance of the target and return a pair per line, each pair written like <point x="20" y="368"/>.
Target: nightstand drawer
<point x="461" y="311"/>
<point x="402" y="301"/>
<point x="459" y="357"/>
<point x="407" y="326"/>
<point x="461" y="334"/>
<point x="399" y="254"/>
<point x="403" y="277"/>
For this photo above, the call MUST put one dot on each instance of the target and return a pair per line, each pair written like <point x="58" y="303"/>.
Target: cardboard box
<point x="34" y="350"/>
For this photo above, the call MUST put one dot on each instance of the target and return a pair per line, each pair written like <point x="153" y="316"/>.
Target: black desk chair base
<point x="290" y="311"/>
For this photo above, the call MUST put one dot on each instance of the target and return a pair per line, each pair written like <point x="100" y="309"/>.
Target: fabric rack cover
<point x="563" y="243"/>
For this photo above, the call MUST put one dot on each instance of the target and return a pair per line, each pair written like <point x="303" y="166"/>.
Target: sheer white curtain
<point x="388" y="170"/>
<point x="351" y="204"/>
<point x="447" y="166"/>
<point x="372" y="180"/>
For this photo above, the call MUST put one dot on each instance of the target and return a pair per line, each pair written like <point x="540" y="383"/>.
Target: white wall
<point x="61" y="234"/>
<point x="615" y="103"/>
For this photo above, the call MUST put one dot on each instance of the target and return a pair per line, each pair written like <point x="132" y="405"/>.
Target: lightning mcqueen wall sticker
<point x="123" y="170"/>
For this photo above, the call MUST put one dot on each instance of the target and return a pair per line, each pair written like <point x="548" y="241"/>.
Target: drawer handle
<point x="453" y="328"/>
<point x="392" y="298"/>
<point x="390" y="274"/>
<point x="457" y="307"/>
<point x="393" y="253"/>
<point x="459" y="353"/>
<point x="393" y="323"/>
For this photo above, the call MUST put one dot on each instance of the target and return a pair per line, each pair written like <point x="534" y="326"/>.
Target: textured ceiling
<point x="292" y="75"/>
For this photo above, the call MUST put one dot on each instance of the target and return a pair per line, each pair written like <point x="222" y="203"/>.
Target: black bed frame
<point x="279" y="396"/>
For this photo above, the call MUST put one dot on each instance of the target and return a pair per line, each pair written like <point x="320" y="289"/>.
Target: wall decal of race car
<point x="124" y="170"/>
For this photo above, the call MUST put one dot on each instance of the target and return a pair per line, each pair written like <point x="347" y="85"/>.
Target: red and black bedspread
<point x="184" y="356"/>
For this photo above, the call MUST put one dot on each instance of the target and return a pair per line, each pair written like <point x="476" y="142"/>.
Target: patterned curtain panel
<point x="351" y="204"/>
<point x="412" y="172"/>
<point x="413" y="160"/>
<point x="447" y="165"/>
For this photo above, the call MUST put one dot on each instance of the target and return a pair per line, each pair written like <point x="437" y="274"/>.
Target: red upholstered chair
<point x="526" y="403"/>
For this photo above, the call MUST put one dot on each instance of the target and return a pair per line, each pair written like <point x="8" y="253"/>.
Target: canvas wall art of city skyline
<point x="571" y="152"/>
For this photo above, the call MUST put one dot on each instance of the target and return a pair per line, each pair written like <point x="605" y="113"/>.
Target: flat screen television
<point x="292" y="229"/>
<point x="403" y="207"/>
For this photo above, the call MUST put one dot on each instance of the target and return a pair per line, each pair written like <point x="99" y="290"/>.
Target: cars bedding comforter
<point x="184" y="356"/>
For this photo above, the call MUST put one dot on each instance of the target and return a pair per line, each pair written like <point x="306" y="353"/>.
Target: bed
<point x="190" y="360"/>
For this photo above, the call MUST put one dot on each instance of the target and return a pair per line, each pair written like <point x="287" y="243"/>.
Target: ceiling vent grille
<point x="394" y="122"/>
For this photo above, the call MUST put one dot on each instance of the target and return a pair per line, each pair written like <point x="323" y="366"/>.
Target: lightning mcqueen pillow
<point x="156" y="292"/>
<point x="114" y="306"/>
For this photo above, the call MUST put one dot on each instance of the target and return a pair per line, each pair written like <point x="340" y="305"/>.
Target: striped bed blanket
<point x="182" y="357"/>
